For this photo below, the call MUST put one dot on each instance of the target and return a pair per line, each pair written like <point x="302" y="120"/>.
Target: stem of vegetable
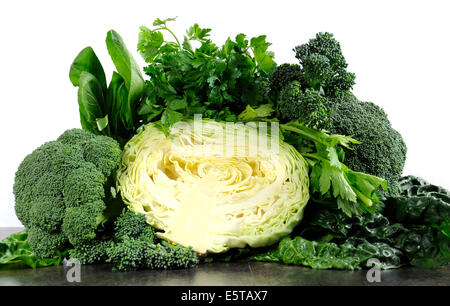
<point x="173" y="34"/>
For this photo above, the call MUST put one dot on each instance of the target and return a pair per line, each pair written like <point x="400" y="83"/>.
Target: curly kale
<point x="61" y="189"/>
<point x="324" y="65"/>
<point x="308" y="107"/>
<point x="410" y="228"/>
<point x="382" y="152"/>
<point x="415" y="222"/>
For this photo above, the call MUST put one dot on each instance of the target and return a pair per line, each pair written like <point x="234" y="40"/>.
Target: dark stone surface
<point x="256" y="273"/>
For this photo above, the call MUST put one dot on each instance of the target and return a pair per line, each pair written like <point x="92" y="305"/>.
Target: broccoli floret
<point x="308" y="107"/>
<point x="133" y="245"/>
<point x="80" y="223"/>
<point x="169" y="256"/>
<point x="83" y="185"/>
<point x="284" y="75"/>
<point x="134" y="254"/>
<point x="61" y="189"/>
<point x="104" y="153"/>
<point x="127" y="254"/>
<point x="382" y="152"/>
<point x="77" y="137"/>
<point x="130" y="224"/>
<point x="94" y="251"/>
<point x="49" y="184"/>
<point x="324" y="65"/>
<point x="47" y="212"/>
<point x="317" y="71"/>
<point x="44" y="243"/>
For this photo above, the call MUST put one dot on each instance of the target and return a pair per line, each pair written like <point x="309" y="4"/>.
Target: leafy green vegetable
<point x="16" y="253"/>
<point x="415" y="223"/>
<point x="424" y="209"/>
<point x="215" y="82"/>
<point x="351" y="255"/>
<point x="354" y="192"/>
<point x="87" y="61"/>
<point x="90" y="99"/>
<point x="130" y="72"/>
<point x="112" y="110"/>
<point x="382" y="151"/>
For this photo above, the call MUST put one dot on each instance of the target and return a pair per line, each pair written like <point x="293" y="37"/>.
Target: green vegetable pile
<point x="138" y="187"/>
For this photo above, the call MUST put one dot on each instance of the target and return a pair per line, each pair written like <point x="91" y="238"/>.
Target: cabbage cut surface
<point x="214" y="191"/>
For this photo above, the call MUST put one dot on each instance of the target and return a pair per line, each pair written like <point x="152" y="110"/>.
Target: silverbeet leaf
<point x="351" y="255"/>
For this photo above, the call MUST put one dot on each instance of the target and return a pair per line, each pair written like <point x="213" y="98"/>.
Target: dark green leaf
<point x="177" y="104"/>
<point x="126" y="66"/>
<point x="149" y="43"/>
<point x="352" y="255"/>
<point x="87" y="61"/>
<point x="90" y="101"/>
<point x="169" y="117"/>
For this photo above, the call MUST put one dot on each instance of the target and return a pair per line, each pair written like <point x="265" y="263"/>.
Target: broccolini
<point x="132" y="245"/>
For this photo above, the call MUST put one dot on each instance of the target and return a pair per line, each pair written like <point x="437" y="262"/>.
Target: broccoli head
<point x="382" y="152"/>
<point x="284" y="75"/>
<point x="308" y="107"/>
<point x="61" y="189"/>
<point x="324" y="65"/>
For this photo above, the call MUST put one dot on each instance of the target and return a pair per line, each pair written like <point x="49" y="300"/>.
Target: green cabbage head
<point x="214" y="186"/>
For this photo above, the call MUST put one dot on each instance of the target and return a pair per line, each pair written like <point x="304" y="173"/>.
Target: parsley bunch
<point x="217" y="82"/>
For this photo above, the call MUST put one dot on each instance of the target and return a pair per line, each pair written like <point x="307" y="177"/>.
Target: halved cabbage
<point x="212" y="186"/>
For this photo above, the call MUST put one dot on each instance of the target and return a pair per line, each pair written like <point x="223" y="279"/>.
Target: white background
<point x="399" y="50"/>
